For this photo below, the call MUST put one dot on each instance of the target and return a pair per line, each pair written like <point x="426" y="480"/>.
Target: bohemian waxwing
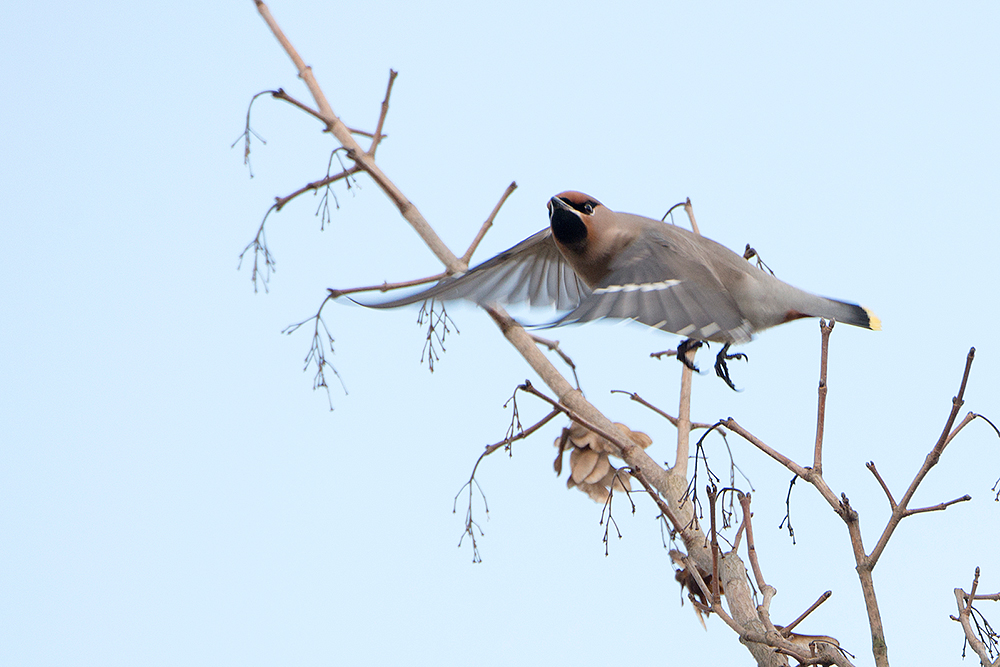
<point x="597" y="263"/>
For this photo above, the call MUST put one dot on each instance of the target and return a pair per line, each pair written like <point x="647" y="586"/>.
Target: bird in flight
<point x="595" y="263"/>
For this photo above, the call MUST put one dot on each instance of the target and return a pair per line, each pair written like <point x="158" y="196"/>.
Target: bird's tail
<point x="849" y="313"/>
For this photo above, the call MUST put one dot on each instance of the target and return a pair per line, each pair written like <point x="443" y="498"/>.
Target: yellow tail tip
<point x="874" y="323"/>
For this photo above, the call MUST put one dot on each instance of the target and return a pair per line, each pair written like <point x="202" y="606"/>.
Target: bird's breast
<point x="568" y="229"/>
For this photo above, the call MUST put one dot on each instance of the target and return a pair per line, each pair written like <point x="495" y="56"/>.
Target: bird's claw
<point x="686" y="346"/>
<point x="721" y="369"/>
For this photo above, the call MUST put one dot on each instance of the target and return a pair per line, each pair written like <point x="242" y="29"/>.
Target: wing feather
<point x="654" y="282"/>
<point x="533" y="270"/>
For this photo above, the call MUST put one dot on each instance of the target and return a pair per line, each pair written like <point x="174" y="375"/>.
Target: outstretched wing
<point x="654" y="282"/>
<point x="533" y="271"/>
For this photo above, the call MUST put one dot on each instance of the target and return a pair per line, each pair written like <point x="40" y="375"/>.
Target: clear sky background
<point x="173" y="492"/>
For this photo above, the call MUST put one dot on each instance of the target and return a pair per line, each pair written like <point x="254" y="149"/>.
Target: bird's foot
<point x="721" y="369"/>
<point x="686" y="346"/>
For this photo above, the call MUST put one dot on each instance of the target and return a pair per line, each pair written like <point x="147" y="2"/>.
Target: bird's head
<point x="570" y="215"/>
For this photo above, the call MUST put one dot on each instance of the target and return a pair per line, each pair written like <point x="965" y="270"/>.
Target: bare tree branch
<point x="660" y="485"/>
<point x="665" y="487"/>
<point x="976" y="638"/>
<point x="470" y="524"/>
<point x="900" y="511"/>
<point x="842" y="507"/>
<point x="864" y="570"/>
<point x="825" y="329"/>
<point x="670" y="486"/>
<point x="343" y="134"/>
<point x="766" y="590"/>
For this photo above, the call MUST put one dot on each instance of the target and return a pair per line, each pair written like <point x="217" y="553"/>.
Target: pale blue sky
<point x="173" y="492"/>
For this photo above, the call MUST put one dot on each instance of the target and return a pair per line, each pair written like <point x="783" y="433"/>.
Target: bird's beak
<point x="558" y="203"/>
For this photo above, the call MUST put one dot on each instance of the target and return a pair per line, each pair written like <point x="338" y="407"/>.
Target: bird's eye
<point x="588" y="208"/>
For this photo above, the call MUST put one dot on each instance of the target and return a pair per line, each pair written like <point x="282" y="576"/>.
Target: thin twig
<point x="655" y="495"/>
<point x="738" y="540"/>
<point x="260" y="249"/>
<point x="520" y="436"/>
<point x="805" y="473"/>
<point x="788" y="509"/>
<point x="691" y="492"/>
<point x="671" y="210"/>
<point x="825" y="329"/>
<point x="968" y="419"/>
<point x="670" y="418"/>
<point x="470" y="524"/>
<point x="554" y="346"/>
<point x="751" y="253"/>
<point x="692" y="569"/>
<point x="751" y="549"/>
<point x="467" y="257"/>
<point x="712" y="496"/>
<point x="362" y="133"/>
<point x="317" y="351"/>
<point x="386" y="286"/>
<point x="684" y="401"/>
<point x="822" y="598"/>
<point x="439" y="325"/>
<point x="888" y="494"/>
<point x="611" y="519"/>
<point x="690" y="211"/>
<point x="279" y="202"/>
<point x="378" y="136"/>
<point x="684" y="409"/>
<point x="972" y="591"/>
<point x="939" y="506"/>
<point x="248" y="132"/>
<point x="735" y="427"/>
<point x="623" y="444"/>
<point x="280" y="94"/>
